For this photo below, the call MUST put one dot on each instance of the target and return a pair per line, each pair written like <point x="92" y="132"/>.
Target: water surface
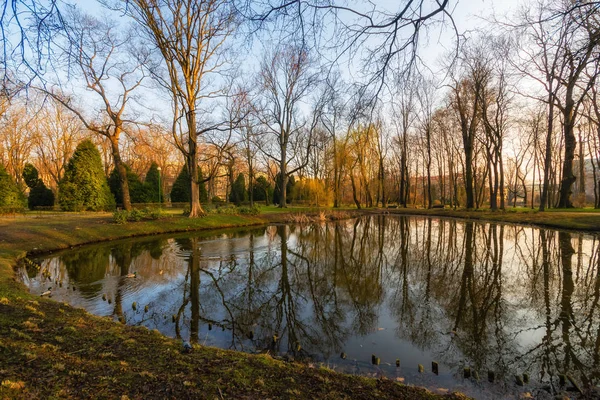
<point x="492" y="297"/>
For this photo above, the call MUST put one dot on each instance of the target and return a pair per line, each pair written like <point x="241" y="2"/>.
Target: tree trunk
<point x="429" y="196"/>
<point x="548" y="156"/>
<point x="581" y="186"/>
<point x="192" y="162"/>
<point x="568" y="178"/>
<point x="336" y="173"/>
<point x="469" y="172"/>
<point x="354" y="196"/>
<point x="283" y="179"/>
<point x="121" y="170"/>
<point x="501" y="166"/>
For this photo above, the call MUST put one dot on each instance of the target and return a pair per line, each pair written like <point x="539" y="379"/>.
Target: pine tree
<point x="180" y="192"/>
<point x="138" y="192"/>
<point x="39" y="194"/>
<point x="152" y="184"/>
<point x="84" y="185"/>
<point x="10" y="195"/>
<point x="238" y="190"/>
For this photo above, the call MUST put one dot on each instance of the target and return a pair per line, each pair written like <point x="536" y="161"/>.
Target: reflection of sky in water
<point x="395" y="287"/>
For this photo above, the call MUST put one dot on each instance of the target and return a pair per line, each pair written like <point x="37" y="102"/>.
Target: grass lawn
<point x="585" y="219"/>
<point x="52" y="350"/>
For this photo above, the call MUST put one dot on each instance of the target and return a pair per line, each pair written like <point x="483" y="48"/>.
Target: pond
<point x="490" y="297"/>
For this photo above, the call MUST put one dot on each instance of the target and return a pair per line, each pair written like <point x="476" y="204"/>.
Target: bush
<point x="10" y="195"/>
<point x="249" y="210"/>
<point x="228" y="209"/>
<point x="40" y="196"/>
<point x="120" y="216"/>
<point x="155" y="213"/>
<point x="135" y="215"/>
<point x="84" y="185"/>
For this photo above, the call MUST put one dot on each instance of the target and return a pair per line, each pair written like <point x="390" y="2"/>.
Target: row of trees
<point x="503" y="125"/>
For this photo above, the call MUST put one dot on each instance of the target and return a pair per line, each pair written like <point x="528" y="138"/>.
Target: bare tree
<point x="286" y="80"/>
<point x="190" y="37"/>
<point x="465" y="100"/>
<point x="386" y="39"/>
<point x="97" y="51"/>
<point x="56" y="134"/>
<point x="425" y="96"/>
<point x="558" y="41"/>
<point x="16" y="140"/>
<point x="404" y="116"/>
<point x="583" y="39"/>
<point x="27" y="27"/>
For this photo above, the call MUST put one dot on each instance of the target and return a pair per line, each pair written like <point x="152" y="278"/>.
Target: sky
<point x="468" y="15"/>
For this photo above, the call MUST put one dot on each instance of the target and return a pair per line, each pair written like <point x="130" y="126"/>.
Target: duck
<point x="134" y="275"/>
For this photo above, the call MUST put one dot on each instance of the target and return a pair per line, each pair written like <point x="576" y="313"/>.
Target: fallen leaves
<point x="18" y="385"/>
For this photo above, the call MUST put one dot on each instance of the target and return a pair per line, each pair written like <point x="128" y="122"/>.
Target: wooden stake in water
<point x="375" y="360"/>
<point x="421" y="368"/>
<point x="467" y="372"/>
<point x="343" y="356"/>
<point x="397" y="363"/>
<point x="526" y="377"/>
<point x="491" y="376"/>
<point x="435" y="367"/>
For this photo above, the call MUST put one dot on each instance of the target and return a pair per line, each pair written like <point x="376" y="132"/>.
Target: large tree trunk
<point x="283" y="182"/>
<point x="251" y="185"/>
<point x="429" y="195"/>
<point x="354" y="194"/>
<point x="192" y="161"/>
<point x="581" y="185"/>
<point x="122" y="172"/>
<point x="568" y="178"/>
<point x="501" y="166"/>
<point x="548" y="155"/>
<point x="336" y="173"/>
<point x="469" y="172"/>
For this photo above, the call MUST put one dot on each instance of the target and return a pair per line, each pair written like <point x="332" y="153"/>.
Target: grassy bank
<point x="575" y="219"/>
<point x="51" y="350"/>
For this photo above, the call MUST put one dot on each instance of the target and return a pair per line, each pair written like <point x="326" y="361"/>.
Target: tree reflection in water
<point x="496" y="297"/>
